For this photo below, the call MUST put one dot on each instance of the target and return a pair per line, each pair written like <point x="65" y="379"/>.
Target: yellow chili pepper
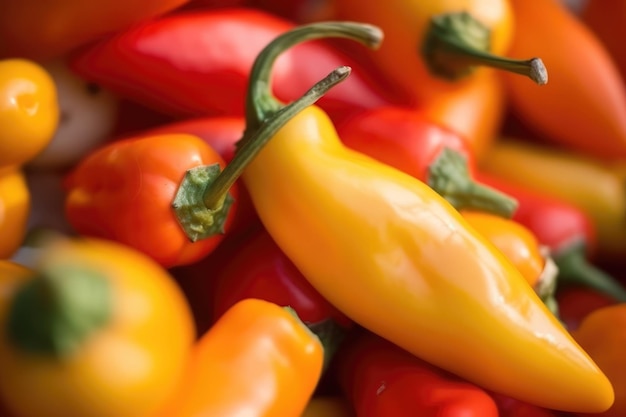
<point x="29" y="110"/>
<point x="394" y="255"/>
<point x="96" y="330"/>
<point x="587" y="183"/>
<point x="15" y="205"/>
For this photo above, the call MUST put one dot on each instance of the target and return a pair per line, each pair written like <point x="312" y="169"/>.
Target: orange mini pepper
<point x="15" y="204"/>
<point x="257" y="360"/>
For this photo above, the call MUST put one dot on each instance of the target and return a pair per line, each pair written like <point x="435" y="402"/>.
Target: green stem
<point x="56" y="311"/>
<point x="456" y="43"/>
<point x="575" y="269"/>
<point x="265" y="115"/>
<point x="450" y="177"/>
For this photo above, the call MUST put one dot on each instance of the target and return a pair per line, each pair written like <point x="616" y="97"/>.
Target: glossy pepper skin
<point x="566" y="230"/>
<point x="112" y="341"/>
<point x="125" y="192"/>
<point x="15" y="205"/>
<point x="29" y="110"/>
<point x="602" y="334"/>
<point x="378" y="246"/>
<point x="585" y="97"/>
<point x="45" y="30"/>
<point x="432" y="47"/>
<point x="177" y="64"/>
<point x="257" y="360"/>
<point x="379" y="379"/>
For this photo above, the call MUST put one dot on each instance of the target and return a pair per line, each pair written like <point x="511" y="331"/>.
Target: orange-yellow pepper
<point x="328" y="406"/>
<point x="15" y="203"/>
<point x="96" y="329"/>
<point x="257" y="360"/>
<point x="29" y="110"/>
<point x="395" y="256"/>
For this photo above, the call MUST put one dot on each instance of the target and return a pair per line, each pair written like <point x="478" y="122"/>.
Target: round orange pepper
<point x="15" y="203"/>
<point x="96" y="330"/>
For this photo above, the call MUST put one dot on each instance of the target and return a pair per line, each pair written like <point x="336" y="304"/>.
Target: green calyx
<point x="199" y="220"/>
<point x="449" y="176"/>
<point x="55" y="312"/>
<point x="456" y="43"/>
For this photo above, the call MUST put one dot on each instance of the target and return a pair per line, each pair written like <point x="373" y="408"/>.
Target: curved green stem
<point x="456" y="43"/>
<point x="265" y="115"/>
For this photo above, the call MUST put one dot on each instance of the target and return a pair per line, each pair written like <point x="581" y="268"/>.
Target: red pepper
<point x="405" y="139"/>
<point x="565" y="230"/>
<point x="198" y="63"/>
<point x="511" y="407"/>
<point x="258" y="268"/>
<point x="382" y="380"/>
<point x="577" y="302"/>
<point x="127" y="190"/>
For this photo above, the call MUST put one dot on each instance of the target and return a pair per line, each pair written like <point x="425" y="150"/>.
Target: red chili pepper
<point x="382" y="380"/>
<point x="127" y="191"/>
<point x="565" y="230"/>
<point x="577" y="302"/>
<point x="197" y="63"/>
<point x="405" y="139"/>
<point x="259" y="269"/>
<point x="511" y="407"/>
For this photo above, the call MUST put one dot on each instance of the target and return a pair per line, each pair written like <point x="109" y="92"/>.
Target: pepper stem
<point x="57" y="310"/>
<point x="456" y="43"/>
<point x="450" y="177"/>
<point x="265" y="115"/>
<point x="575" y="269"/>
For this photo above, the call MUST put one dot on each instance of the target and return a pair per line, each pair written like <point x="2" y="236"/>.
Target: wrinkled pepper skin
<point x="379" y="245"/>
<point x="125" y="354"/>
<point x="15" y="207"/>
<point x="124" y="192"/>
<point x="603" y="334"/>
<point x="258" y="360"/>
<point x="380" y="379"/>
<point x="177" y="64"/>
<point x="29" y="110"/>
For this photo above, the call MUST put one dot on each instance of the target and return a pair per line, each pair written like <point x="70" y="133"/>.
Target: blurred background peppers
<point x="15" y="205"/>
<point x="401" y="277"/>
<point x="583" y="107"/>
<point x="95" y="329"/>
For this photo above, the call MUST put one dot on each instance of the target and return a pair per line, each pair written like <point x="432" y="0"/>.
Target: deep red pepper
<point x="382" y="380"/>
<point x="197" y="63"/>
<point x="260" y="269"/>
<point x="577" y="302"/>
<point x="565" y="230"/>
<point x="511" y="407"/>
<point x="406" y="139"/>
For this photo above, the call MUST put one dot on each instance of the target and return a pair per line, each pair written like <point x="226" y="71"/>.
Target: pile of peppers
<point x="309" y="208"/>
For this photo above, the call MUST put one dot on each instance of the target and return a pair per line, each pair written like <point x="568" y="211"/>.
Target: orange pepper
<point x="258" y="360"/>
<point x="606" y="18"/>
<point x="583" y="107"/>
<point x="15" y="203"/>
<point x="603" y="335"/>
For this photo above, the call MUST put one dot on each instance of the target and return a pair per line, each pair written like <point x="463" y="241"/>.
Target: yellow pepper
<point x="585" y="182"/>
<point x="95" y="330"/>
<point x="394" y="255"/>
<point x="15" y="205"/>
<point x="29" y="110"/>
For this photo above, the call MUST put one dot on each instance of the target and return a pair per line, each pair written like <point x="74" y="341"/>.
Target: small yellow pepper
<point x="29" y="110"/>
<point x="15" y="205"/>
<point x="96" y="330"/>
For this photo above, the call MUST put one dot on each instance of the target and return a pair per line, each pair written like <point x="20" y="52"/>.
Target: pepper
<point x="258" y="359"/>
<point x="177" y="64"/>
<point x="565" y="230"/>
<point x="606" y="20"/>
<point x="433" y="47"/>
<point x="511" y="407"/>
<point x="583" y="181"/>
<point x="328" y="406"/>
<point x="576" y="302"/>
<point x="259" y="269"/>
<point x="602" y="333"/>
<point x="29" y="113"/>
<point x="95" y="329"/>
<point x="407" y="140"/>
<point x="146" y="192"/>
<point x="380" y="379"/>
<point x="15" y="207"/>
<point x="379" y="243"/>
<point x="46" y="30"/>
<point x="581" y="72"/>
